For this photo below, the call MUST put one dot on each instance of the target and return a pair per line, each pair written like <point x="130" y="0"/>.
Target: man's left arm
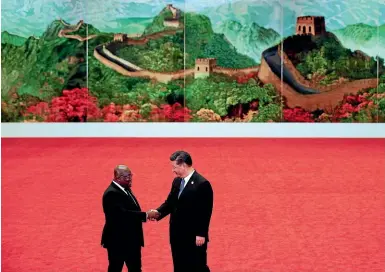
<point x="204" y="209"/>
<point x="168" y="205"/>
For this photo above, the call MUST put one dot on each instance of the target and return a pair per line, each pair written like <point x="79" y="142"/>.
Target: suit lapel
<point x="118" y="189"/>
<point x="136" y="201"/>
<point x="130" y="195"/>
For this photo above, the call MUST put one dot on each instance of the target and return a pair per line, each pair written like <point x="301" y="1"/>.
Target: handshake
<point x="152" y="215"/>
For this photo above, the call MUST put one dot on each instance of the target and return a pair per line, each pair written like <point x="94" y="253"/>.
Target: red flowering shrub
<point x="355" y="107"/>
<point x="361" y="107"/>
<point x="73" y="105"/>
<point x="111" y="113"/>
<point x="39" y="112"/>
<point x="76" y="104"/>
<point x="171" y="113"/>
<point x="176" y="113"/>
<point x="118" y="113"/>
<point x="110" y="117"/>
<point x="150" y="112"/>
<point x="297" y="115"/>
<point x="156" y="115"/>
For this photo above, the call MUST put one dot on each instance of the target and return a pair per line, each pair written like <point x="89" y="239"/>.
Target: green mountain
<point x="52" y="30"/>
<point x="281" y="15"/>
<point x="41" y="67"/>
<point x="325" y="57"/>
<point x="9" y="38"/>
<point x="202" y="42"/>
<point x="87" y="29"/>
<point x="249" y="39"/>
<point x="157" y="23"/>
<point x="369" y="39"/>
<point x="198" y="41"/>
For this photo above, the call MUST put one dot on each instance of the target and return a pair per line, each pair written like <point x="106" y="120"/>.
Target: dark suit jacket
<point x="191" y="213"/>
<point x="123" y="226"/>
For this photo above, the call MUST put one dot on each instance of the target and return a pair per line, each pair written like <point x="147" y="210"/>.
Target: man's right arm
<point x="117" y="212"/>
<point x="166" y="208"/>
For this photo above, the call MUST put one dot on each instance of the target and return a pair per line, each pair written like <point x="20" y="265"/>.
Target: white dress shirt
<point x="186" y="179"/>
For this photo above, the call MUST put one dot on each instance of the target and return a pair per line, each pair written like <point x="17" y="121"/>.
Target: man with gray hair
<point x="190" y="204"/>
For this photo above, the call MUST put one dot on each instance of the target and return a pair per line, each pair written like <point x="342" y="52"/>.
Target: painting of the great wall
<point x="193" y="61"/>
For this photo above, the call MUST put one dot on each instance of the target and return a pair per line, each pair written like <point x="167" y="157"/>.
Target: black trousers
<point x="188" y="257"/>
<point x="118" y="256"/>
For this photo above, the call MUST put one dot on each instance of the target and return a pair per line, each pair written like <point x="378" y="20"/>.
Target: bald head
<point x="121" y="169"/>
<point x="123" y="175"/>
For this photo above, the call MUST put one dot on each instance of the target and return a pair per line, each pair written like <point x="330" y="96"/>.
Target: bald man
<point x="123" y="232"/>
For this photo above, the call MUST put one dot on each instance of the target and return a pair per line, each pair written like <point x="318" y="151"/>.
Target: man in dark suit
<point x="123" y="232"/>
<point x="190" y="203"/>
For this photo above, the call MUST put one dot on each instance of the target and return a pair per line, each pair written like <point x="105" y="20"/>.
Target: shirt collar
<point x="120" y="186"/>
<point x="186" y="179"/>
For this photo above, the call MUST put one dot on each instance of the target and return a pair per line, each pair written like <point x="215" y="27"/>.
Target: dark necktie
<point x="181" y="186"/>
<point x="130" y="194"/>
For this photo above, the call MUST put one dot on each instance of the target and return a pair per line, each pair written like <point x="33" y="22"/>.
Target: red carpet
<point x="279" y="204"/>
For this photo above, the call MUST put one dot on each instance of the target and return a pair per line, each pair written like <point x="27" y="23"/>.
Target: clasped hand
<point x="152" y="215"/>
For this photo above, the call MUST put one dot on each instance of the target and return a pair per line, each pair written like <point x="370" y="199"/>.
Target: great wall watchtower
<point x="204" y="67"/>
<point x="120" y="37"/>
<point x="174" y="20"/>
<point x="173" y="10"/>
<point x="310" y="25"/>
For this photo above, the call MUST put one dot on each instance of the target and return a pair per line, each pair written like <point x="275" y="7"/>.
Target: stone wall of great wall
<point x="129" y="64"/>
<point x="114" y="61"/>
<point x="328" y="99"/>
<point x="63" y="32"/>
<point x="300" y="78"/>
<point x="138" y="40"/>
<point x="159" y="76"/>
<point x="234" y="72"/>
<point x="325" y="100"/>
<point x="163" y="77"/>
